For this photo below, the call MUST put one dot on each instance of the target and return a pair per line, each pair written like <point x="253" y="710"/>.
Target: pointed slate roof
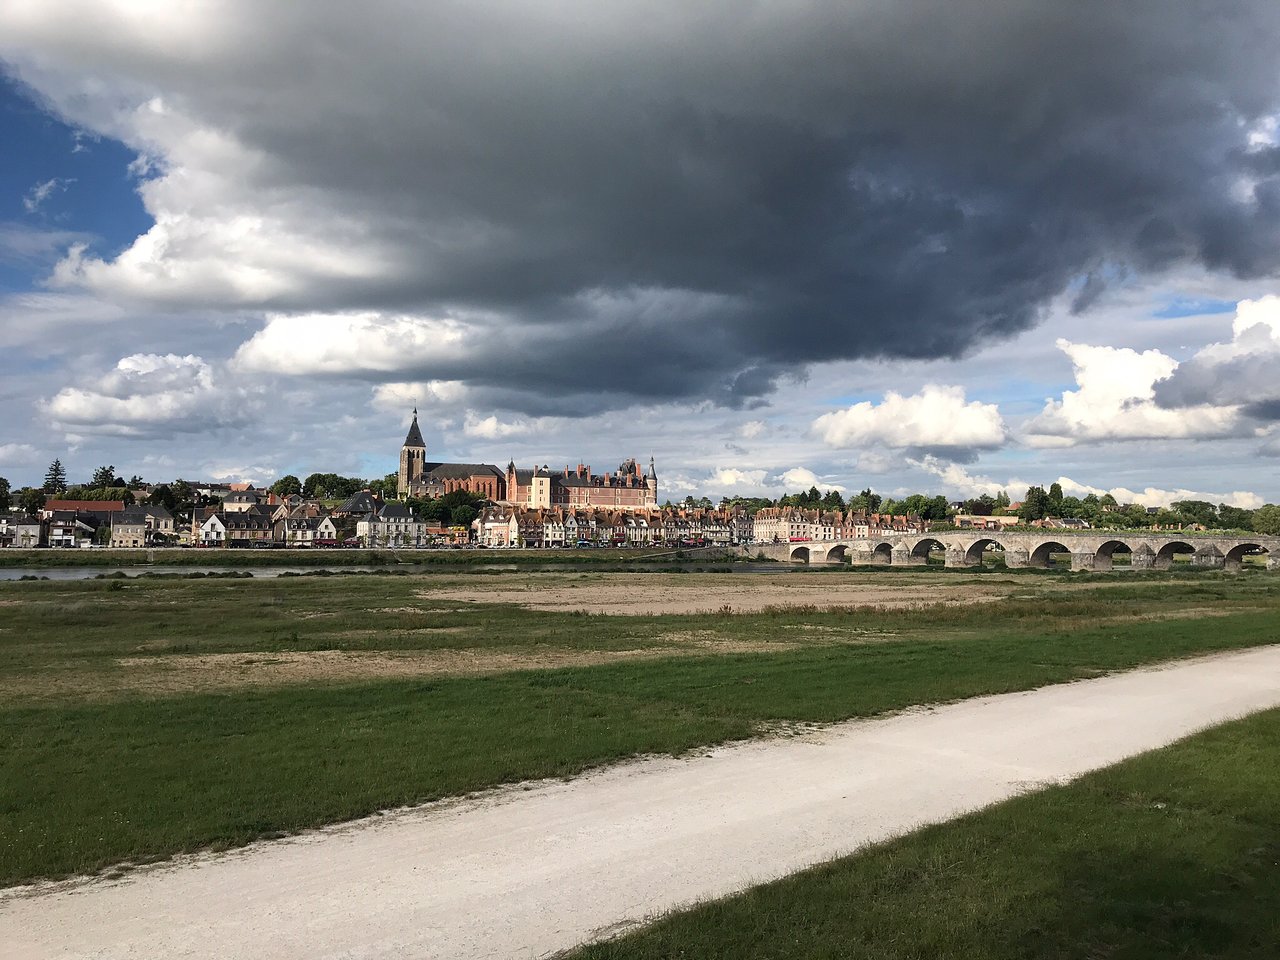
<point x="414" y="437"/>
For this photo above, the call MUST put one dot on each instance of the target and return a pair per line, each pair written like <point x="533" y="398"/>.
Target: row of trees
<point x="1037" y="504"/>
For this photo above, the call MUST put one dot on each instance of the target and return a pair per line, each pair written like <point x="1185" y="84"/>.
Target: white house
<point x="213" y="532"/>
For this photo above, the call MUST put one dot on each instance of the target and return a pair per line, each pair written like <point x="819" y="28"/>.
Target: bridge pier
<point x="1273" y="562"/>
<point x="1142" y="559"/>
<point x="1088" y="562"/>
<point x="1016" y="557"/>
<point x="903" y="558"/>
<point x="1214" y="561"/>
<point x="956" y="557"/>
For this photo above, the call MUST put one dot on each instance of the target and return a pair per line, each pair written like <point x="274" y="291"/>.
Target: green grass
<point x="1172" y="854"/>
<point x="87" y="781"/>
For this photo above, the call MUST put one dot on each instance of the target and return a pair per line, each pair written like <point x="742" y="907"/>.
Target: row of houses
<point x="245" y="518"/>
<point x="74" y="523"/>
<point x="784" y="524"/>
<point x="503" y="525"/>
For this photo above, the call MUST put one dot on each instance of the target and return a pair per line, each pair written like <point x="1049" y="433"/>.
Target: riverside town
<point x="429" y="504"/>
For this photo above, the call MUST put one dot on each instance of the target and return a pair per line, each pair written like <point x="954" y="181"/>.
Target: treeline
<point x="929" y="507"/>
<point x="1104" y="510"/>
<point x="1038" y="504"/>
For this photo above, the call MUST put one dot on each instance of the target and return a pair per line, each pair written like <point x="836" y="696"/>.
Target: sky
<point x="913" y="245"/>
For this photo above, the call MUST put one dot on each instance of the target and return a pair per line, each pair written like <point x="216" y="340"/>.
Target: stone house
<point x="129" y="529"/>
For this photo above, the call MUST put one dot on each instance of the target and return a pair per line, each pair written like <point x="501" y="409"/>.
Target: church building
<point x="626" y="489"/>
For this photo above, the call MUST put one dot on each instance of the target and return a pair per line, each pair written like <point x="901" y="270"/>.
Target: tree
<point x="1034" y="504"/>
<point x="31" y="499"/>
<point x="833" y="501"/>
<point x="387" y="487"/>
<point x="184" y="493"/>
<point x="1002" y="500"/>
<point x="1071" y="507"/>
<point x="105" y="477"/>
<point x="135" y="482"/>
<point x="6" y="498"/>
<point x="163" y="496"/>
<point x="1266" y="520"/>
<point x="937" y="509"/>
<point x="287" y="486"/>
<point x="1055" y="500"/>
<point x="1234" y="518"/>
<point x="1197" y="511"/>
<point x="55" y="479"/>
<point x="982" y="506"/>
<point x="462" y="516"/>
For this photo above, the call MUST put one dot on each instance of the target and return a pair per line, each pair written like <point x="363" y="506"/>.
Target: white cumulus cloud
<point x="1115" y="400"/>
<point x="736" y="479"/>
<point x="491" y="428"/>
<point x="938" y="417"/>
<point x="350" y="344"/>
<point x="148" y="393"/>
<point x="958" y="481"/>
<point x="399" y="396"/>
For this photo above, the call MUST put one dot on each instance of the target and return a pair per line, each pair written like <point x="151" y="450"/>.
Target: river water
<point x="266" y="573"/>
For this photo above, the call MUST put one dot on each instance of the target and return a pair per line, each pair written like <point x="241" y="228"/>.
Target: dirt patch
<point x="173" y="674"/>
<point x="628" y="595"/>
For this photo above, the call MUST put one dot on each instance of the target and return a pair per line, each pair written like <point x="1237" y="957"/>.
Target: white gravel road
<point x="528" y="872"/>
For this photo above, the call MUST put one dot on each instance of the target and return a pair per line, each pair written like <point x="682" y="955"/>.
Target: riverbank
<point x="249" y="559"/>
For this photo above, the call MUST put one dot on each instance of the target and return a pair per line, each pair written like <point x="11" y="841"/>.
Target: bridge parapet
<point x="1092" y="550"/>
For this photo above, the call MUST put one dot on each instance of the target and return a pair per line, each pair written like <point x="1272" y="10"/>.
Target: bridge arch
<point x="1042" y="555"/>
<point x="799" y="554"/>
<point x="1104" y="558"/>
<point x="1234" y="558"/>
<point x="882" y="553"/>
<point x="924" y="546"/>
<point x="973" y="553"/>
<point x="1165" y="555"/>
<point x="838" y="554"/>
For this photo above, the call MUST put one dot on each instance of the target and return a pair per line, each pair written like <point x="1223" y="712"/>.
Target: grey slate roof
<point x="395" y="511"/>
<point x="414" y="436"/>
<point x="362" y="502"/>
<point x="460" y="471"/>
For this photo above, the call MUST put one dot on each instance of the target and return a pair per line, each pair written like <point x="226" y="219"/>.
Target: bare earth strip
<point x="527" y="871"/>
<point x="623" y="594"/>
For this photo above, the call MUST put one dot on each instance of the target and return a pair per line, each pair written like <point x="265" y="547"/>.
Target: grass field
<point x="143" y="718"/>
<point x="1172" y="854"/>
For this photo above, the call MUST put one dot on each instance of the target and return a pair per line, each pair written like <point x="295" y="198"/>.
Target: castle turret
<point x="651" y="481"/>
<point x="413" y="455"/>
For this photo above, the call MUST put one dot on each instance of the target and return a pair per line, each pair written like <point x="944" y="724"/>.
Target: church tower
<point x="651" y="481"/>
<point x="412" y="457"/>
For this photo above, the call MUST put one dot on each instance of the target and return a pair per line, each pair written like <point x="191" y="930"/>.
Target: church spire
<point x="414" y="437"/>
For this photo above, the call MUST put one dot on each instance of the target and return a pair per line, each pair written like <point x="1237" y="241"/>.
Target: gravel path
<point x="527" y="871"/>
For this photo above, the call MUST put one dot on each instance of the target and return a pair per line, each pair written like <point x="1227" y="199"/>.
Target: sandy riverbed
<point x="625" y="594"/>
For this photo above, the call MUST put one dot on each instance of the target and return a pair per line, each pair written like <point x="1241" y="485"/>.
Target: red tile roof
<point x="100" y="506"/>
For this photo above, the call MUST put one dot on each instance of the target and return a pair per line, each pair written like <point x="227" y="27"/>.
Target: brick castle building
<point x="538" y="488"/>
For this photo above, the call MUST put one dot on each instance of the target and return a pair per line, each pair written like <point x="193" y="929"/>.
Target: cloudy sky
<point x="913" y="244"/>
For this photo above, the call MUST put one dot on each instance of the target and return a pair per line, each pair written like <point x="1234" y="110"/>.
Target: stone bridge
<point x="1091" y="550"/>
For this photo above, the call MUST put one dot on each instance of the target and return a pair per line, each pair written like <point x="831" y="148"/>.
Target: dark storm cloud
<point x="693" y="200"/>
